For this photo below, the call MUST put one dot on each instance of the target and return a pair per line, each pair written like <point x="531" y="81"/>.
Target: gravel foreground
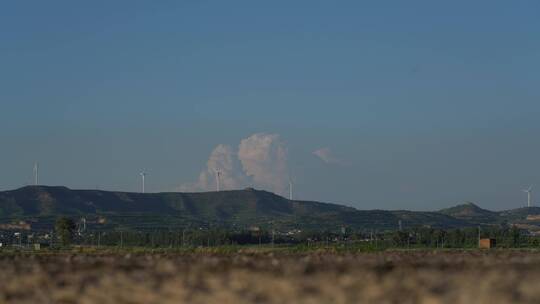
<point x="390" y="277"/>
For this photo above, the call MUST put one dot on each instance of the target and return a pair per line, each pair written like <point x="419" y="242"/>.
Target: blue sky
<point x="423" y="104"/>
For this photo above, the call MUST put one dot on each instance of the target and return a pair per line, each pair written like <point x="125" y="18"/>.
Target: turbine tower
<point x="290" y="190"/>
<point x="36" y="173"/>
<point x="143" y="176"/>
<point x="218" y="175"/>
<point x="529" y="192"/>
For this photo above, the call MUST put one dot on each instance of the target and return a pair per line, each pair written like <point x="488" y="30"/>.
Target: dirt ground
<point x="389" y="277"/>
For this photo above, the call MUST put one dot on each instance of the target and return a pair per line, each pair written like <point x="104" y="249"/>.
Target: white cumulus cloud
<point x="260" y="161"/>
<point x="264" y="159"/>
<point x="327" y="156"/>
<point x="224" y="159"/>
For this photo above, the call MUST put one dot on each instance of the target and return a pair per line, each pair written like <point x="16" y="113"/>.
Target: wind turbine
<point x="143" y="176"/>
<point x="36" y="173"/>
<point x="218" y="175"/>
<point x="529" y="192"/>
<point x="290" y="190"/>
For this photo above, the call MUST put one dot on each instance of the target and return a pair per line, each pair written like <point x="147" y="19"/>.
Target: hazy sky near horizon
<point x="374" y="104"/>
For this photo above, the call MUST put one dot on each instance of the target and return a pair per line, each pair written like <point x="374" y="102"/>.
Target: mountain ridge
<point x="231" y="208"/>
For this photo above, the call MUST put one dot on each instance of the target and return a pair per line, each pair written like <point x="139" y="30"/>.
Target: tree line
<point x="507" y="236"/>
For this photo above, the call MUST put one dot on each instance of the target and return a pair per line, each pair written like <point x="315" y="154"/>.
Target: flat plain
<point x="250" y="276"/>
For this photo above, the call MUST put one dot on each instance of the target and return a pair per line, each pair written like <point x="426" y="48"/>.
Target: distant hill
<point x="431" y="219"/>
<point x="471" y="212"/>
<point x="520" y="213"/>
<point x="238" y="208"/>
<point x="40" y="205"/>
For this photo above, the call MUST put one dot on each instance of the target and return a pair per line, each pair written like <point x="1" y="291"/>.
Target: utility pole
<point x="479" y="231"/>
<point x="183" y="237"/>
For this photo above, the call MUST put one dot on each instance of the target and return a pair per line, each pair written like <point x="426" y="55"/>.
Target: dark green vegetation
<point x="64" y="228"/>
<point x="235" y="210"/>
<point x="419" y="238"/>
